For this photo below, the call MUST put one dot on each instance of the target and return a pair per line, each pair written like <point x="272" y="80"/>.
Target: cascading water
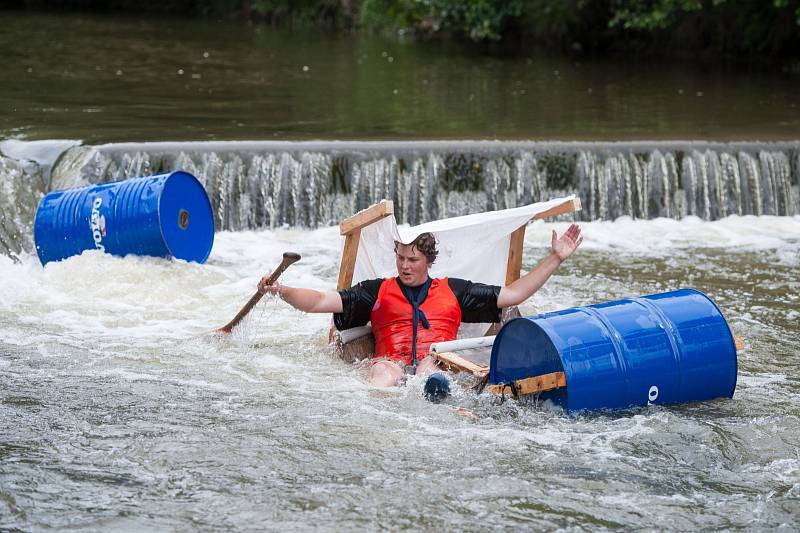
<point x="254" y="185"/>
<point x="26" y="171"/>
<point x="21" y="189"/>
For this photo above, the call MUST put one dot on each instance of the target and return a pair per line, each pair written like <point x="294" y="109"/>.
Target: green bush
<point x="477" y="19"/>
<point x="733" y="26"/>
<point x="770" y="27"/>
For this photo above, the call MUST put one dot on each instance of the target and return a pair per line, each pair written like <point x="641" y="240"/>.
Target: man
<point x="437" y="306"/>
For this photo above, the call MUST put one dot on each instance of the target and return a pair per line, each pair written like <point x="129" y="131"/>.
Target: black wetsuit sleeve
<point x="357" y="304"/>
<point x="478" y="301"/>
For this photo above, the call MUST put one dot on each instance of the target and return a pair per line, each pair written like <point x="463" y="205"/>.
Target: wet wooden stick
<point x="288" y="259"/>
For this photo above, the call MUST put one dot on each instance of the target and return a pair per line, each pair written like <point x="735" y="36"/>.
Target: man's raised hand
<point x="566" y="244"/>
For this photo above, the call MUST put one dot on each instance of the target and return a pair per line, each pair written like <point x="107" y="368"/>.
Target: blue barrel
<point x="165" y="215"/>
<point x="665" y="348"/>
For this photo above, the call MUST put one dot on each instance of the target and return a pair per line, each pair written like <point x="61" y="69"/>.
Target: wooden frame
<point x="531" y="385"/>
<point x="457" y="363"/>
<point x="351" y="229"/>
<point x="514" y="265"/>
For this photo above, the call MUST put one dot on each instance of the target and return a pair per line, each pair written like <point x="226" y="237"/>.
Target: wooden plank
<point x="514" y="265"/>
<point x="454" y="362"/>
<point x="478" y="356"/>
<point x="467" y="414"/>
<point x="738" y="342"/>
<point x="348" y="265"/>
<point x="532" y="385"/>
<point x="351" y="229"/>
<point x="366" y="217"/>
<point x="356" y="350"/>
<point x="570" y="206"/>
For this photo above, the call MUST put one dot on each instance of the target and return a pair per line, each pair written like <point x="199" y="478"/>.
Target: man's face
<point x="412" y="266"/>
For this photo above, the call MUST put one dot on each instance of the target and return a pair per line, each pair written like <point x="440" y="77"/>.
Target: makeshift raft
<point x="495" y="238"/>
<point x="665" y="348"/>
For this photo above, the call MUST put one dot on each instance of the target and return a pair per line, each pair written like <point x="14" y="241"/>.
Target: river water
<point x="119" y="412"/>
<point x="125" y="78"/>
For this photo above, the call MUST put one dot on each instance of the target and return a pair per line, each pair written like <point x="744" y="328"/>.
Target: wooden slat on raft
<point x="738" y="342"/>
<point x="356" y="350"/>
<point x="348" y="265"/>
<point x="569" y="206"/>
<point x="351" y="229"/>
<point x="457" y="363"/>
<point x="532" y="385"/>
<point x="514" y="264"/>
<point x="382" y="209"/>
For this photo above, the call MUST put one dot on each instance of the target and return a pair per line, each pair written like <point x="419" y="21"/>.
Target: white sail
<point x="473" y="247"/>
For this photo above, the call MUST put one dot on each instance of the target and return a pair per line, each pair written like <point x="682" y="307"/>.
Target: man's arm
<point x="307" y="300"/>
<point x="524" y="287"/>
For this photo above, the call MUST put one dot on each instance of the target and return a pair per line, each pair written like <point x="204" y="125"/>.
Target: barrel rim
<point x="36" y="229"/>
<point x="503" y="331"/>
<point x="730" y="335"/>
<point x="167" y="177"/>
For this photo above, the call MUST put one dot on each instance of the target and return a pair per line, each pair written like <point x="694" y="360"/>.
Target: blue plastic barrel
<point x="168" y="215"/>
<point x="665" y="348"/>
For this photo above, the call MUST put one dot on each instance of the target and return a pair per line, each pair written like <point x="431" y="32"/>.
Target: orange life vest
<point x="392" y="316"/>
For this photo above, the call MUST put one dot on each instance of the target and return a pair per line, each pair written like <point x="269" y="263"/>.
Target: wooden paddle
<point x="288" y="259"/>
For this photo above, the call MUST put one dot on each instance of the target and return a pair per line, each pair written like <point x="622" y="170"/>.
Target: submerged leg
<point x="384" y="374"/>
<point x="426" y="366"/>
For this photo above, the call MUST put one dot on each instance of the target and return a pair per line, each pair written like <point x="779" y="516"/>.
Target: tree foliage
<point x="736" y="26"/>
<point x="662" y="14"/>
<point x="720" y="26"/>
<point x="477" y="20"/>
<point x="727" y="26"/>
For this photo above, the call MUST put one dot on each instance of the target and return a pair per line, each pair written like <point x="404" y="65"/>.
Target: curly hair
<point x="425" y="243"/>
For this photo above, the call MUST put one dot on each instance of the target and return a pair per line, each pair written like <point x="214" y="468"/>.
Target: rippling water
<point x="117" y="412"/>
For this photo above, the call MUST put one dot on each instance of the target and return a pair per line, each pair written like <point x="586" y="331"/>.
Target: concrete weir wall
<point x="311" y="184"/>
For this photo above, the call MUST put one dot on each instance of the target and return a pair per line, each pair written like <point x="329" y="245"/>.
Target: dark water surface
<point x="107" y="78"/>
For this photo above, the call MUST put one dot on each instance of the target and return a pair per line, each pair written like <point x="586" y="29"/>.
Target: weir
<point x="310" y="184"/>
